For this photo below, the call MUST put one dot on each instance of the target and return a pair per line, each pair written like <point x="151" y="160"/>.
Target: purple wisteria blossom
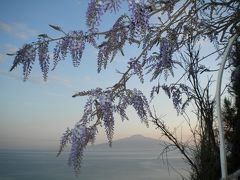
<point x="165" y="54"/>
<point x="43" y="56"/>
<point x="88" y="110"/>
<point x="66" y="138"/>
<point x="60" y="51"/>
<point x="162" y="62"/>
<point x="106" y="110"/>
<point x="76" y="46"/>
<point x="81" y="136"/>
<point x="93" y="14"/>
<point x="112" y="5"/>
<point x="104" y="104"/>
<point x="78" y="137"/>
<point x="115" y="40"/>
<point x="139" y="16"/>
<point x="100" y="105"/>
<point x="73" y="42"/>
<point x="136" y="66"/>
<point x="96" y="8"/>
<point x="122" y="106"/>
<point x="180" y="94"/>
<point x="140" y="104"/>
<point x="25" y="56"/>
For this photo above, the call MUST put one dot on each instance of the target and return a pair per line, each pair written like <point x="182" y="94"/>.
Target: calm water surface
<point x="97" y="165"/>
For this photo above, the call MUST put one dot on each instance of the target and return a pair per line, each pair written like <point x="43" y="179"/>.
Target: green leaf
<point x="121" y="50"/>
<point x="43" y="35"/>
<point x="57" y="28"/>
<point x="11" y="54"/>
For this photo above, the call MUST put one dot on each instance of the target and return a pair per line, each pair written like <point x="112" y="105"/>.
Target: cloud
<point x="17" y="76"/>
<point x="57" y="80"/>
<point x="18" y="30"/>
<point x="36" y="78"/>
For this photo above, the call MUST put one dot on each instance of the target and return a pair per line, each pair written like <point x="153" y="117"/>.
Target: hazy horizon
<point x="136" y="158"/>
<point x="54" y="145"/>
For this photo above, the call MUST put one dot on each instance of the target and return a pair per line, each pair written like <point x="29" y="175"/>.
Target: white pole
<point x="219" y="114"/>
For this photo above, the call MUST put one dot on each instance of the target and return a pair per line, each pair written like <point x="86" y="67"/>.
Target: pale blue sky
<point x="34" y="114"/>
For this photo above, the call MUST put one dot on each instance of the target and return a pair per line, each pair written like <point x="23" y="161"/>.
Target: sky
<point x="34" y="114"/>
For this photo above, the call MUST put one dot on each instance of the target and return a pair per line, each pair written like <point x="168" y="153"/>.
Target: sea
<point x="96" y="165"/>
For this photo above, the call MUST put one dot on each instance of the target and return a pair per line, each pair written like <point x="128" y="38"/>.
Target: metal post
<point x="218" y="103"/>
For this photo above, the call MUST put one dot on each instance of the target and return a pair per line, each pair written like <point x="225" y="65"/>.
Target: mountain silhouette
<point x="135" y="142"/>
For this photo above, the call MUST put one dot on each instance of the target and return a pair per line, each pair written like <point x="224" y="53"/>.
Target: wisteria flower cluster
<point x="103" y="104"/>
<point x="60" y="51"/>
<point x="73" y="42"/>
<point x="43" y="56"/>
<point x="137" y="68"/>
<point x="66" y="138"/>
<point x="180" y="94"/>
<point x="93" y="14"/>
<point x="79" y="137"/>
<point x="96" y="8"/>
<point x="112" y="5"/>
<point x="161" y="62"/>
<point x="140" y="104"/>
<point x="99" y="105"/>
<point x="25" y="56"/>
<point x="76" y="46"/>
<point x="115" y="40"/>
<point x="100" y="109"/>
<point x="139" y="16"/>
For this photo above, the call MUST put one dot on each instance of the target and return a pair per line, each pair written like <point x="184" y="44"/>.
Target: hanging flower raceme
<point x="76" y="46"/>
<point x="79" y="137"/>
<point x="60" y="51"/>
<point x="100" y="104"/>
<point x="139" y="16"/>
<point x="93" y="15"/>
<point x="162" y="62"/>
<point x="137" y="69"/>
<point x="122" y="105"/>
<point x="180" y="94"/>
<point x="106" y="109"/>
<point x="43" y="56"/>
<point x="25" y="56"/>
<point x="115" y="40"/>
<point x="140" y="104"/>
<point x="66" y="138"/>
<point x="103" y="104"/>
<point x="73" y="42"/>
<point x="96" y="8"/>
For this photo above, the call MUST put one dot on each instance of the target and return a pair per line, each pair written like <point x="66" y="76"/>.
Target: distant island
<point x="136" y="143"/>
<point x="133" y="142"/>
